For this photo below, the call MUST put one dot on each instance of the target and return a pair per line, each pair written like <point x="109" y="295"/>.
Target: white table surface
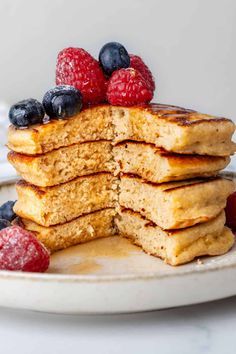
<point x="205" y="328"/>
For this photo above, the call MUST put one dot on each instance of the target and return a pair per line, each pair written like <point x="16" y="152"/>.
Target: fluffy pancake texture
<point x="91" y="124"/>
<point x="157" y="165"/>
<point x="82" y="229"/>
<point x="146" y="160"/>
<point x="177" y="204"/>
<point x="177" y="246"/>
<point x="175" y="129"/>
<point x="59" y="204"/>
<point x="64" y="164"/>
<point x="127" y="170"/>
<point x="171" y="128"/>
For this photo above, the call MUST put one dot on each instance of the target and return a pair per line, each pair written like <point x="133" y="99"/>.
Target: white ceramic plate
<point x="113" y="276"/>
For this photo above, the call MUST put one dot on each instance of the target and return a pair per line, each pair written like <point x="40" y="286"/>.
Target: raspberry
<point x="78" y="68"/>
<point x="230" y="211"/>
<point x="137" y="63"/>
<point x="127" y="87"/>
<point x="20" y="250"/>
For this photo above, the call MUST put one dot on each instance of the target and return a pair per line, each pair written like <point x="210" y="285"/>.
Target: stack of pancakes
<point x="149" y="173"/>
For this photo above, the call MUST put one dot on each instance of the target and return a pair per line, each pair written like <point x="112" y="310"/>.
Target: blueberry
<point x="26" y="113"/>
<point x="62" y="101"/>
<point x="6" y="211"/>
<point x="4" y="223"/>
<point x="113" y="56"/>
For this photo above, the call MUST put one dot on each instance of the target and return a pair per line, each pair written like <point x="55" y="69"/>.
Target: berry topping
<point x="62" y="101"/>
<point x="137" y="63"/>
<point x="78" y="68"/>
<point x="26" y="113"/>
<point x="6" y="211"/>
<point x="4" y="223"/>
<point x="230" y="211"/>
<point x="127" y="87"/>
<point x="20" y="250"/>
<point x="113" y="56"/>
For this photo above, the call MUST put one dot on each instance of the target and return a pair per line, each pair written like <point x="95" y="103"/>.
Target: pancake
<point x="157" y="165"/>
<point x="177" y="204"/>
<point x="64" y="164"/>
<point x="64" y="202"/>
<point x="175" y="129"/>
<point x="71" y="193"/>
<point x="177" y="246"/>
<point x="172" y="128"/>
<point x="146" y="160"/>
<point x="82" y="229"/>
<point x="90" y="124"/>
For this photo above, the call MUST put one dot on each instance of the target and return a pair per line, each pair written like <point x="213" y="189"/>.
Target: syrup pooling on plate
<point x="83" y="267"/>
<point x="86" y="258"/>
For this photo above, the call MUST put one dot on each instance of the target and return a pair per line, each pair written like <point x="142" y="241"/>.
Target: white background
<point x="190" y="45"/>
